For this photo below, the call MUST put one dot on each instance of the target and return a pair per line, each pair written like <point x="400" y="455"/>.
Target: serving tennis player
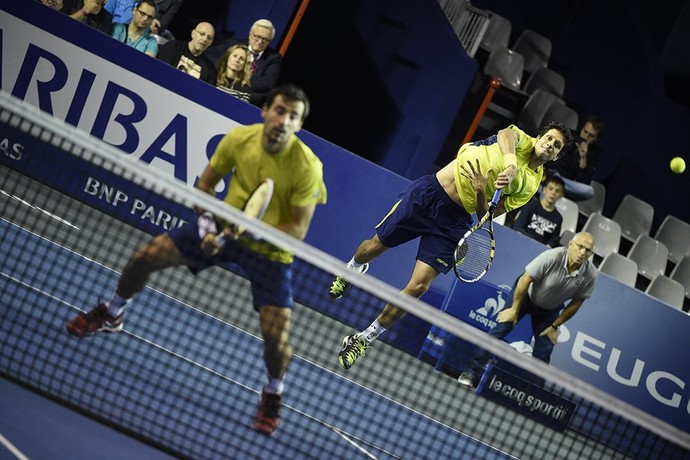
<point x="268" y="150"/>
<point x="438" y="209"/>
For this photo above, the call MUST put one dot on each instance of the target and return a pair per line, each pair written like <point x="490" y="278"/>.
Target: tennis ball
<point x="678" y="165"/>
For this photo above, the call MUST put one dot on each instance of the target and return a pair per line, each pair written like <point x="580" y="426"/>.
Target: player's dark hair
<point x="148" y="2"/>
<point x="292" y="94"/>
<point x="563" y="129"/>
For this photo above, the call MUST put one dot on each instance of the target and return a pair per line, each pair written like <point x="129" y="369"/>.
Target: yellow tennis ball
<point x="678" y="165"/>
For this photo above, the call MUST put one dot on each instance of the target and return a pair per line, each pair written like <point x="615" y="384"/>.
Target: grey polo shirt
<point x="553" y="285"/>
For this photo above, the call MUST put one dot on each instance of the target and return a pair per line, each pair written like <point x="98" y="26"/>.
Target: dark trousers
<point x="541" y="319"/>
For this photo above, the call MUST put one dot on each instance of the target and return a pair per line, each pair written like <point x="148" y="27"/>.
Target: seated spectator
<point x="136" y="34"/>
<point x="57" y="5"/>
<point x="576" y="167"/>
<point x="265" y="62"/>
<point x="539" y="219"/>
<point x="189" y="56"/>
<point x="234" y="72"/>
<point x="92" y="13"/>
<point x="121" y="10"/>
<point x="167" y="9"/>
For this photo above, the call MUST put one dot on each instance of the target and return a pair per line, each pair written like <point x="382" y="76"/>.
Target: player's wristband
<point x="554" y="326"/>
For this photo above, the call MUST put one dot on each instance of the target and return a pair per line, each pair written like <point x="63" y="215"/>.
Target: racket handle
<point x="497" y="196"/>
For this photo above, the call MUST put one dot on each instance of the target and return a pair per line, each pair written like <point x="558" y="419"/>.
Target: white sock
<point x="355" y="265"/>
<point x="274" y="386"/>
<point x="372" y="332"/>
<point x="116" y="305"/>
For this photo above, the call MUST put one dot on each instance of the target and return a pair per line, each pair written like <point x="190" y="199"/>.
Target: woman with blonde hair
<point x="234" y="72"/>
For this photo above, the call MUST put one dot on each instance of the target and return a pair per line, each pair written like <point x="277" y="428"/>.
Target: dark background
<point x="627" y="61"/>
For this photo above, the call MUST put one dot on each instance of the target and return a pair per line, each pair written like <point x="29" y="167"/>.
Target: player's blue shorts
<point x="425" y="210"/>
<point x="271" y="281"/>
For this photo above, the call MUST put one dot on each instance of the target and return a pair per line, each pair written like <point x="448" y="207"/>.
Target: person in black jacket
<point x="190" y="56"/>
<point x="576" y="167"/>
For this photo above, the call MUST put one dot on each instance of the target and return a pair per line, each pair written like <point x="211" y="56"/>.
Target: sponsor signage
<point x="526" y="398"/>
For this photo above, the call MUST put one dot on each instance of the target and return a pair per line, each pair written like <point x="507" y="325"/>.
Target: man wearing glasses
<point x="190" y="57"/>
<point x="549" y="280"/>
<point x="137" y="33"/>
<point x="265" y="61"/>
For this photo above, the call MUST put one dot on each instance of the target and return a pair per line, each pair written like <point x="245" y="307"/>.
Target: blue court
<point x="180" y="377"/>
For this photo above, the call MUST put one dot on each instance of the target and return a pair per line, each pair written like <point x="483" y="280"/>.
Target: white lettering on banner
<point x="492" y="307"/>
<point x="139" y="208"/>
<point x="659" y="384"/>
<point x="10" y="149"/>
<point x="522" y="398"/>
<point x="111" y="102"/>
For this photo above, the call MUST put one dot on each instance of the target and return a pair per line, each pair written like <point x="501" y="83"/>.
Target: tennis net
<point x="186" y="372"/>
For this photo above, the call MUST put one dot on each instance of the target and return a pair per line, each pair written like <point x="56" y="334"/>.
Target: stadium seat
<point x="634" y="216"/>
<point x="681" y="273"/>
<point x="535" y="48"/>
<point x="620" y="268"/>
<point x="546" y="79"/>
<point x="668" y="290"/>
<point x="531" y="116"/>
<point x="596" y="203"/>
<point x="506" y="66"/>
<point x="569" y="211"/>
<point x="562" y="113"/>
<point x="606" y="233"/>
<point x="497" y="33"/>
<point x="566" y="236"/>
<point x="650" y="256"/>
<point x="675" y="234"/>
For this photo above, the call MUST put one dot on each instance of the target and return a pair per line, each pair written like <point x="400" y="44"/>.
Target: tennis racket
<point x="475" y="251"/>
<point x="255" y="206"/>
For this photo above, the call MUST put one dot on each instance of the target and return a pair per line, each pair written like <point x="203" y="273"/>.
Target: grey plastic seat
<point x="681" y="273"/>
<point x="620" y="268"/>
<point x="560" y="112"/>
<point x="596" y="203"/>
<point x="606" y="233"/>
<point x="650" y="256"/>
<point x="566" y="236"/>
<point x="570" y="212"/>
<point x="531" y="116"/>
<point x="546" y="79"/>
<point x="634" y="216"/>
<point x="506" y="66"/>
<point x="668" y="290"/>
<point x="535" y="48"/>
<point x="497" y="32"/>
<point x="675" y="234"/>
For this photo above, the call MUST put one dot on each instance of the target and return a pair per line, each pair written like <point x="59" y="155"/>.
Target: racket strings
<point x="474" y="255"/>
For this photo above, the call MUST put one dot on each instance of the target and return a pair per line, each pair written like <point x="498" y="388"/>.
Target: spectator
<point x="53" y="4"/>
<point x="136" y="34"/>
<point x="121" y="10"/>
<point x="92" y="13"/>
<point x="190" y="57"/>
<point x="539" y="219"/>
<point x="234" y="72"/>
<point x="549" y="280"/>
<point x="265" y="62"/>
<point x="167" y="9"/>
<point x="576" y="167"/>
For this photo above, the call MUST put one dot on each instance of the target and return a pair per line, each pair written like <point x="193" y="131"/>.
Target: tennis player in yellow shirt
<point x="510" y="160"/>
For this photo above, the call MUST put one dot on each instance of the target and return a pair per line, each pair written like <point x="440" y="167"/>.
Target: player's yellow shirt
<point x="297" y="174"/>
<point x="523" y="186"/>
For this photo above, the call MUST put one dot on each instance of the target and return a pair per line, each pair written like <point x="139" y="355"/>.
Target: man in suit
<point x="266" y="61"/>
